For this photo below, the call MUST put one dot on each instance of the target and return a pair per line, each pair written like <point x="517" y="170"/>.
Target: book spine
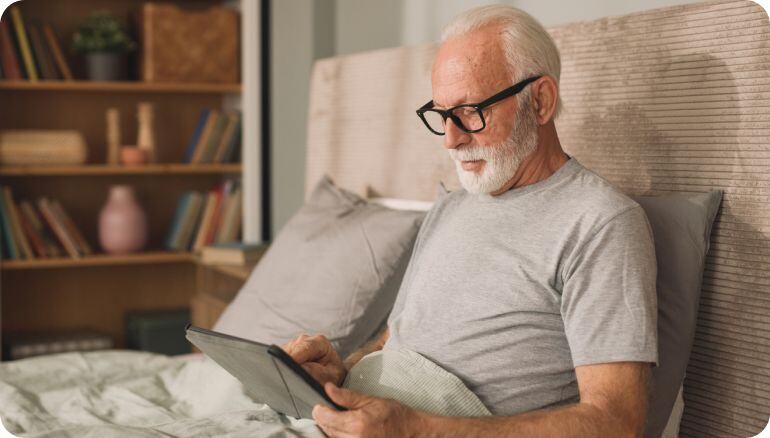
<point x="21" y="239"/>
<point x="234" y="144"/>
<point x="58" y="229"/>
<point x="11" y="68"/>
<point x="190" y="221"/>
<point x="196" y="135"/>
<point x="47" y="70"/>
<point x="200" y="238"/>
<point x="21" y="37"/>
<point x="8" y="241"/>
<point x="211" y="122"/>
<point x="226" y="137"/>
<point x="181" y="208"/>
<point x="52" y="249"/>
<point x="72" y="229"/>
<point x="35" y="239"/>
<point x="58" y="54"/>
<point x="210" y="148"/>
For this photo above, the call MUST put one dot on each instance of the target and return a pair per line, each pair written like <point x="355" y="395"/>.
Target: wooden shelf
<point x="119" y="86"/>
<point x="152" y="257"/>
<point x="104" y="169"/>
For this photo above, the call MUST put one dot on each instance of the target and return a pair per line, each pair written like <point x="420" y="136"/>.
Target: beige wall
<point x="304" y="30"/>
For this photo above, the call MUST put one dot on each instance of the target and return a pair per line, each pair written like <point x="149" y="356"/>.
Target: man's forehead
<point x="467" y="68"/>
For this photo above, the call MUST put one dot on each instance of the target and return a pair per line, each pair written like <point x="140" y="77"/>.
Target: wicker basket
<point x="180" y="45"/>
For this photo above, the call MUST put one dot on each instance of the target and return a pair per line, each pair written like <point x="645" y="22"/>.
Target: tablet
<point x="268" y="374"/>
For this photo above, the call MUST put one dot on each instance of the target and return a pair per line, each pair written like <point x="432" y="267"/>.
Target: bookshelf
<point x="119" y="86"/>
<point x="106" y="170"/>
<point x="143" y="258"/>
<point x="96" y="291"/>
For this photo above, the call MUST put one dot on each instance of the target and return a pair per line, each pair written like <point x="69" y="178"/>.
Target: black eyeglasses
<point x="468" y="117"/>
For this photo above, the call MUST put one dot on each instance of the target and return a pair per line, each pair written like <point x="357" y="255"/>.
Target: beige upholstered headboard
<point x="667" y="100"/>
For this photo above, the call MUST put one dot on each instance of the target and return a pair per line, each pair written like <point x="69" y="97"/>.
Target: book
<point x="191" y="222"/>
<point x="232" y="253"/>
<point x="58" y="228"/>
<point x="32" y="216"/>
<point x="205" y="222"/>
<point x="233" y="151"/>
<point x="72" y="230"/>
<point x="203" y="140"/>
<point x="56" y="51"/>
<point x="9" y="243"/>
<point x="173" y="231"/>
<point x="35" y="239"/>
<point x="232" y="218"/>
<point x="227" y="136"/>
<point x="25" y="250"/>
<point x="44" y="61"/>
<point x="24" y="46"/>
<point x="28" y="344"/>
<point x="221" y="192"/>
<point x="196" y="135"/>
<point x="210" y="148"/>
<point x="8" y="56"/>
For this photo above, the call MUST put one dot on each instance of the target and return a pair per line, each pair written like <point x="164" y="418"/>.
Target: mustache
<point x="486" y="153"/>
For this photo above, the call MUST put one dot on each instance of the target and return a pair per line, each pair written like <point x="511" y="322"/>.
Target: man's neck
<point x="541" y="164"/>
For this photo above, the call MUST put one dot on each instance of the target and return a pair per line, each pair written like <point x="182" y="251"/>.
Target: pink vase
<point x="122" y="222"/>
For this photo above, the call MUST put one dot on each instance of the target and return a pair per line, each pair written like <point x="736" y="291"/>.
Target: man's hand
<point x="318" y="357"/>
<point x="367" y="416"/>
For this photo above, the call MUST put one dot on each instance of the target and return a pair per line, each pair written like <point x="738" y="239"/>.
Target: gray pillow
<point x="334" y="268"/>
<point x="681" y="226"/>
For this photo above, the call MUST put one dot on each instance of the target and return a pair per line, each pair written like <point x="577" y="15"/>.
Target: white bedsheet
<point x="133" y="394"/>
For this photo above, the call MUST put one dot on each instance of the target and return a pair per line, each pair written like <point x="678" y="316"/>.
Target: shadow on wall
<point x="687" y="130"/>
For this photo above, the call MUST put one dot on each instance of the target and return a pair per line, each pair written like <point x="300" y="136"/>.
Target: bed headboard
<point x="668" y="100"/>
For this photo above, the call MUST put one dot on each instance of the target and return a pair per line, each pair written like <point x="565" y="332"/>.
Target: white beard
<point x="501" y="160"/>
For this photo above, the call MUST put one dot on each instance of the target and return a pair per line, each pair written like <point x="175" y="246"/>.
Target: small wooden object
<point x="113" y="136"/>
<point x="133" y="156"/>
<point x="146" y="136"/>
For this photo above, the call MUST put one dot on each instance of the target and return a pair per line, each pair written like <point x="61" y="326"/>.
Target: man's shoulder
<point x="591" y="192"/>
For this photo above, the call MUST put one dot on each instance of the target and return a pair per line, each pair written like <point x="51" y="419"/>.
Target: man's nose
<point x="453" y="135"/>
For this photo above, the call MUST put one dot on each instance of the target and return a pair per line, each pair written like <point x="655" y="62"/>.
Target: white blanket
<point x="135" y="394"/>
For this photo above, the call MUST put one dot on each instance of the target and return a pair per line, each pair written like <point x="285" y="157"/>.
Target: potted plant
<point x="104" y="43"/>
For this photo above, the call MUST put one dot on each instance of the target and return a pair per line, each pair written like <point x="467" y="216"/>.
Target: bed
<point x="668" y="100"/>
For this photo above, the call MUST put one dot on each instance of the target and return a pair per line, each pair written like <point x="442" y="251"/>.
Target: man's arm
<point x="613" y="402"/>
<point x="369" y="347"/>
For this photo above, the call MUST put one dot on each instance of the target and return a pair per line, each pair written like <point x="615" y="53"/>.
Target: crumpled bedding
<point x="133" y="394"/>
<point x="136" y="394"/>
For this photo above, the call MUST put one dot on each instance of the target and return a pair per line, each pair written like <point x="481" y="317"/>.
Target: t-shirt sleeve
<point x="609" y="302"/>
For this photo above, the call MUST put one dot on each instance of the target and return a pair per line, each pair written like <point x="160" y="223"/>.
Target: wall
<point x="305" y="30"/>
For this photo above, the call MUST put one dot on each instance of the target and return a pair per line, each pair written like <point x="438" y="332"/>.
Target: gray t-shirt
<point x="512" y="292"/>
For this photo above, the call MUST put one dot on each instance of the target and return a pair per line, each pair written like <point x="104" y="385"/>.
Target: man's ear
<point x="545" y="96"/>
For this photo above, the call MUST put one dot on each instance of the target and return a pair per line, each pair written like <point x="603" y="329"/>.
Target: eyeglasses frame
<point x="449" y="112"/>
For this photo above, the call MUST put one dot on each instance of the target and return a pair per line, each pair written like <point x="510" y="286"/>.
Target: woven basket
<point x="182" y="45"/>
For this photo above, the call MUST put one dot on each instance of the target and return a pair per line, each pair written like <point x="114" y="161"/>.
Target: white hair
<point x="529" y="49"/>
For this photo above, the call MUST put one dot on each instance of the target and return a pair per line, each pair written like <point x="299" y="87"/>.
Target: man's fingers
<point x="317" y="371"/>
<point x="344" y="397"/>
<point x="333" y="423"/>
<point x="307" y="349"/>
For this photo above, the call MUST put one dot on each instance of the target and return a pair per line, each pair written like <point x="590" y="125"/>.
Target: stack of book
<point x="39" y="230"/>
<point x="232" y="253"/>
<point x="216" y="139"/>
<point x="23" y="345"/>
<point x="206" y="218"/>
<point x="30" y="50"/>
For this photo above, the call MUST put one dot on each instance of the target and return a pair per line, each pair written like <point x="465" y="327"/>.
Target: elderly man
<point x="535" y="284"/>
